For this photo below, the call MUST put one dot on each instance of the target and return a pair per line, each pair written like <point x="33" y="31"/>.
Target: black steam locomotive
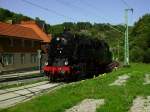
<point x="73" y="57"/>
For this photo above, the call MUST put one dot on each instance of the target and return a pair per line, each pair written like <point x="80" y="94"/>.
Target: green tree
<point x="141" y="40"/>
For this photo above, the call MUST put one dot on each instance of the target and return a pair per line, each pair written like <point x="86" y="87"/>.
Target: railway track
<point x="8" y="84"/>
<point x="16" y="79"/>
<point x="19" y="76"/>
<point x="12" y="96"/>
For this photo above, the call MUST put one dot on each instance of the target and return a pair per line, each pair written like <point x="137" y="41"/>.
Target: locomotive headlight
<point x="66" y="62"/>
<point x="57" y="38"/>
<point x="46" y="63"/>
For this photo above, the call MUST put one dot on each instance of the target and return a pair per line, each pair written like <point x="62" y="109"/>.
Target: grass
<point x="117" y="99"/>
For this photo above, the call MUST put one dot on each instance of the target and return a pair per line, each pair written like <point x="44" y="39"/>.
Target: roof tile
<point x="32" y="24"/>
<point x="15" y="30"/>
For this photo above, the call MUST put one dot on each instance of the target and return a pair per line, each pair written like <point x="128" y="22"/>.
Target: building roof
<point x="15" y="30"/>
<point x="32" y="24"/>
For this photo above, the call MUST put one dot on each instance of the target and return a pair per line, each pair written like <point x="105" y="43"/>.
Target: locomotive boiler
<point x="75" y="56"/>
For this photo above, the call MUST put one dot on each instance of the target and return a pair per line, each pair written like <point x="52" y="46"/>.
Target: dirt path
<point x="87" y="105"/>
<point x="141" y="104"/>
<point x="121" y="80"/>
<point x="147" y="79"/>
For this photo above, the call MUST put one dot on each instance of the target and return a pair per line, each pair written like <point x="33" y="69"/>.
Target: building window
<point x="33" y="58"/>
<point x="11" y="42"/>
<point x="32" y="44"/>
<point x="8" y="59"/>
<point x="22" y="58"/>
<point x="23" y="43"/>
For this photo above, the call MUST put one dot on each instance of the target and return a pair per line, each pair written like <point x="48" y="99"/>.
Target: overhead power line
<point x="126" y="3"/>
<point x="67" y="4"/>
<point x="59" y="14"/>
<point x="129" y="7"/>
<point x="82" y="9"/>
<point x="49" y="10"/>
<point x="96" y="9"/>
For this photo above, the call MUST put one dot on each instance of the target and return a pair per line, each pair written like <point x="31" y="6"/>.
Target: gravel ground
<point x="121" y="80"/>
<point x="87" y="105"/>
<point x="141" y="104"/>
<point x="147" y="79"/>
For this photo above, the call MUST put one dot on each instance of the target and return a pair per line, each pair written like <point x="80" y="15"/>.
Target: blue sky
<point x="95" y="11"/>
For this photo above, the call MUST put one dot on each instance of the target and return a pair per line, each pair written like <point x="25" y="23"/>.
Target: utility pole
<point x="39" y="59"/>
<point x="126" y="41"/>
